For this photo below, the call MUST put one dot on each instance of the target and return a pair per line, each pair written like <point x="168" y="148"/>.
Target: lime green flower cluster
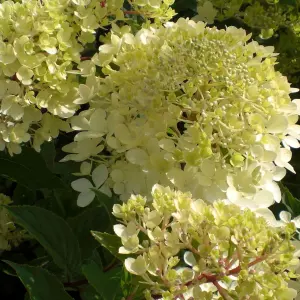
<point x="267" y="16"/>
<point x="9" y="236"/>
<point x="193" y="107"/>
<point x="273" y="18"/>
<point x="183" y="248"/>
<point x="159" y="10"/>
<point x="40" y="46"/>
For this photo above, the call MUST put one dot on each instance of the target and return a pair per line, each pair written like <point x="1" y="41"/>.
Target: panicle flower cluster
<point x="267" y="16"/>
<point x="41" y="43"/>
<point x="9" y="235"/>
<point x="159" y="10"/>
<point x="193" y="107"/>
<point x="273" y="18"/>
<point x="183" y="248"/>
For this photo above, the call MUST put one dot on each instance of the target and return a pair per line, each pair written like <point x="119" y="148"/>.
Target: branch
<point x="221" y="290"/>
<point x="131" y="12"/>
<point x="238" y="269"/>
<point x="76" y="283"/>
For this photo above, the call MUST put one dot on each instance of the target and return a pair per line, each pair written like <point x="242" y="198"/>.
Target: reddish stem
<point x="221" y="290"/>
<point x="14" y="77"/>
<point x="111" y="266"/>
<point x="131" y="12"/>
<point x="238" y="268"/>
<point x="85" y="58"/>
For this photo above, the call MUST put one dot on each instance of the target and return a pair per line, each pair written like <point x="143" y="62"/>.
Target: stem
<point x="113" y="264"/>
<point x="82" y="58"/>
<point x="221" y="290"/>
<point x="238" y="269"/>
<point x="131" y="12"/>
<point x="76" y="283"/>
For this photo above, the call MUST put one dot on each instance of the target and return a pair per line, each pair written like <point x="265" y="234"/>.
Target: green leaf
<point x="48" y="153"/>
<point x="89" y="293"/>
<point x="107" y="203"/>
<point x="40" y="284"/>
<point x="52" y="232"/>
<point x="184" y="5"/>
<point x="27" y="296"/>
<point x="28" y="169"/>
<point x="111" y="242"/>
<point x="107" y="284"/>
<point x="91" y="219"/>
<point x="23" y="195"/>
<point x="290" y="201"/>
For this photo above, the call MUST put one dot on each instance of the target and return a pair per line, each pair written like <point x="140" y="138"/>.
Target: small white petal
<point x="189" y="258"/>
<point x="296" y="221"/>
<point x="106" y="190"/>
<point x="233" y="195"/>
<point x="274" y="189"/>
<point x="119" y="229"/>
<point x="123" y="250"/>
<point x="208" y="168"/>
<point x="263" y="199"/>
<point x="85" y="168"/>
<point x="290" y="168"/>
<point x="277" y="124"/>
<point x="119" y="188"/>
<point x="285" y="216"/>
<point x="84" y="199"/>
<point x="294" y="130"/>
<point x="80" y="123"/>
<point x="137" y="156"/>
<point x="167" y="145"/>
<point x="97" y="121"/>
<point x="279" y="173"/>
<point x="285" y="155"/>
<point x="81" y="185"/>
<point x="269" y="216"/>
<point x="136" y="266"/>
<point x="99" y="175"/>
<point x="203" y="180"/>
<point x="292" y="142"/>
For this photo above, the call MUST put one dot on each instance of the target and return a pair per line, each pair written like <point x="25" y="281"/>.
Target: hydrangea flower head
<point x="195" y="107"/>
<point x="42" y="45"/>
<point x="184" y="248"/>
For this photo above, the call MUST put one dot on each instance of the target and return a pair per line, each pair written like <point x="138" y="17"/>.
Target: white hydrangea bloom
<point x="195" y="250"/>
<point x="193" y="107"/>
<point x="41" y="46"/>
<point x="84" y="186"/>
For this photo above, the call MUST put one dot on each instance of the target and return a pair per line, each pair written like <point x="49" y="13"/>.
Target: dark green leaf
<point x="40" y="261"/>
<point x="111" y="242"/>
<point x="27" y="296"/>
<point x="89" y="293"/>
<point x="40" y="284"/>
<point x="28" y="169"/>
<point x="94" y="218"/>
<point x="184" y="5"/>
<point x="48" y="153"/>
<point x="107" y="284"/>
<point x="107" y="203"/>
<point x="290" y="201"/>
<point x="23" y="195"/>
<point x="52" y="232"/>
